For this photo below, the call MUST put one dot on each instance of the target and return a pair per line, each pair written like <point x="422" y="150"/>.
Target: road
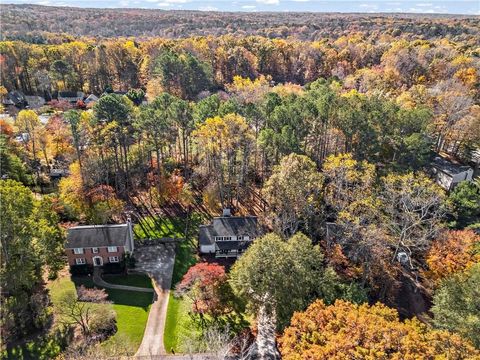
<point x="157" y="261"/>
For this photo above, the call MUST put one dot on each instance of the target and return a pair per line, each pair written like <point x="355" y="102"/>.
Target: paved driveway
<point x="157" y="261"/>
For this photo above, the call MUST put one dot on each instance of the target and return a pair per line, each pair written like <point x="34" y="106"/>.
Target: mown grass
<point x="139" y="280"/>
<point x="160" y="227"/>
<point x="178" y="324"/>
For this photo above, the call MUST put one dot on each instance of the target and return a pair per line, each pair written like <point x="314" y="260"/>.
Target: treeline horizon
<point x="51" y="24"/>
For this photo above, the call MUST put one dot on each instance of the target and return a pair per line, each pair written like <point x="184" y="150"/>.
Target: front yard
<point x="132" y="307"/>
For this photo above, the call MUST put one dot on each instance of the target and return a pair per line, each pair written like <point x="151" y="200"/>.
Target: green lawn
<point x="139" y="280"/>
<point x="132" y="307"/>
<point x="178" y="324"/>
<point x="160" y="227"/>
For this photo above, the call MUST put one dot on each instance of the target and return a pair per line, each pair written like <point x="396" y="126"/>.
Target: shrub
<point x="81" y="270"/>
<point x="114" y="268"/>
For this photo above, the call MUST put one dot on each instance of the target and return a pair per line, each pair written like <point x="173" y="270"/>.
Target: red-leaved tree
<point x="203" y="284"/>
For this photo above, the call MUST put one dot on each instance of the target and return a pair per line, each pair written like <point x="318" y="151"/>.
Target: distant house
<point x="15" y="98"/>
<point x="35" y="102"/>
<point x="70" y="96"/>
<point x="57" y="173"/>
<point x="448" y="174"/>
<point x="228" y="236"/>
<point x="91" y="99"/>
<point x="98" y="244"/>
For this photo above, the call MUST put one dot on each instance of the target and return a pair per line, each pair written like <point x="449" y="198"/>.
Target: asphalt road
<point x="157" y="261"/>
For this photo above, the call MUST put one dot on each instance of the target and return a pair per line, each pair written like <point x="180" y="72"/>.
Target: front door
<point x="97" y="261"/>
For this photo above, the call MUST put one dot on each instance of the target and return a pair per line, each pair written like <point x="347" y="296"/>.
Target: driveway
<point x="157" y="261"/>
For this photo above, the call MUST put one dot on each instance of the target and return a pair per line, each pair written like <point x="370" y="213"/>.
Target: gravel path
<point x="157" y="261"/>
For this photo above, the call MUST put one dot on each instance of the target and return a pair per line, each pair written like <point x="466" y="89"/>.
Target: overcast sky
<point x="470" y="7"/>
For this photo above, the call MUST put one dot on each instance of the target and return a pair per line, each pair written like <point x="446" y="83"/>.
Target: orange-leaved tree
<point x="455" y="251"/>
<point x="349" y="331"/>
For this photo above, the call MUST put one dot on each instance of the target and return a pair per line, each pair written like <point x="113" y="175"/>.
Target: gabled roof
<point x="229" y="226"/>
<point x="97" y="236"/>
<point x="449" y="167"/>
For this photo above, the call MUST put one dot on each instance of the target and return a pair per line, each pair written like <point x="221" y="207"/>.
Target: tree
<point x="348" y="331"/>
<point x="414" y="207"/>
<point x="456" y="303"/>
<point x="293" y="194"/>
<point x="31" y="242"/>
<point x="181" y="113"/>
<point x="90" y="316"/>
<point x="225" y="144"/>
<point x="73" y="117"/>
<point x="183" y="74"/>
<point x="61" y="70"/>
<point x="347" y="181"/>
<point x="95" y="204"/>
<point x="278" y="277"/>
<point x="27" y="121"/>
<point x="465" y="199"/>
<point x="206" y="286"/>
<point x="116" y="111"/>
<point x="11" y="165"/>
<point x="453" y="252"/>
<point x="157" y="127"/>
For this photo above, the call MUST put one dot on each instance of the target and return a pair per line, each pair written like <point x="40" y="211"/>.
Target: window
<point x="112" y="249"/>
<point x="223" y="238"/>
<point x="95" y="250"/>
<point x="113" y="259"/>
<point x="78" y="251"/>
<point x="80" y="261"/>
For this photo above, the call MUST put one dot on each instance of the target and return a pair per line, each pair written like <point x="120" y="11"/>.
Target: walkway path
<point x="97" y="280"/>
<point x="157" y="262"/>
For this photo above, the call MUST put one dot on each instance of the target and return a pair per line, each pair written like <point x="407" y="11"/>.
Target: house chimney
<point x="131" y="241"/>
<point x="227" y="212"/>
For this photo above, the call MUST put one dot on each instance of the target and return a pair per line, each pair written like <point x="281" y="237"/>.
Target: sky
<point x="468" y="7"/>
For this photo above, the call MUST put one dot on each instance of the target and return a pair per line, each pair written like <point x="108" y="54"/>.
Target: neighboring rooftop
<point x="97" y="236"/>
<point x="448" y="166"/>
<point x="229" y="226"/>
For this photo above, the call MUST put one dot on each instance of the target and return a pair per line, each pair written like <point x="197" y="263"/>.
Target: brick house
<point x="98" y="244"/>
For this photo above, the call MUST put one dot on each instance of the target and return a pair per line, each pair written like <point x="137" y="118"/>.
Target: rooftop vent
<point x="227" y="212"/>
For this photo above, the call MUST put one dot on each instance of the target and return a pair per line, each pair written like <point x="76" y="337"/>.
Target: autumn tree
<point x="345" y="330"/>
<point x="347" y="181"/>
<point x="454" y="251"/>
<point x="225" y="144"/>
<point x="27" y="121"/>
<point x="293" y="194"/>
<point x="206" y="286"/>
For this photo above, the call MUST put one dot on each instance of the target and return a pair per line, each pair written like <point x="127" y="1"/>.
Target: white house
<point x="228" y="236"/>
<point x="448" y="174"/>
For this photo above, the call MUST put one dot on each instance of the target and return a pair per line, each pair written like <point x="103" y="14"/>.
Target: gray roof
<point x="97" y="236"/>
<point x="229" y="226"/>
<point x="449" y="167"/>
